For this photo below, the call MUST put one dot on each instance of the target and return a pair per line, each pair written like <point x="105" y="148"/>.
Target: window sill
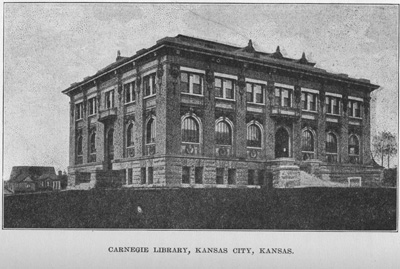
<point x="225" y="99"/>
<point x="355" y="118"/>
<point x="260" y="148"/>
<point x="149" y="96"/>
<point x="331" y="114"/>
<point x="310" y="111"/>
<point x="192" y="94"/>
<point x="81" y="119"/>
<point x="256" y="104"/>
<point x="131" y="102"/>
<point x="92" y="115"/>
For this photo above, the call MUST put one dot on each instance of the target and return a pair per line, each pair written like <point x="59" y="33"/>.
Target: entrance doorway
<point x="110" y="148"/>
<point x="281" y="143"/>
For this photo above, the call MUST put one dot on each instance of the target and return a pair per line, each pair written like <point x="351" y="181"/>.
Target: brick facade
<point x="260" y="102"/>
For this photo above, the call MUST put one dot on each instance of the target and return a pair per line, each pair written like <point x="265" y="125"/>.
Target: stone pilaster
<point x="119" y="126"/>
<point x="72" y="133"/>
<point x="162" y="110"/>
<point x="209" y="118"/>
<point x="365" y="146"/>
<point x="269" y="125"/>
<point x="344" y="130"/>
<point x="100" y="136"/>
<point x="296" y="145"/>
<point x="172" y="98"/>
<point x="139" y="142"/>
<point x="240" y="116"/>
<point x="321" y="132"/>
<point x="85" y="130"/>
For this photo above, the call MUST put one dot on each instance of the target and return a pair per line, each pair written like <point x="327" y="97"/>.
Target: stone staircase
<point x="308" y="180"/>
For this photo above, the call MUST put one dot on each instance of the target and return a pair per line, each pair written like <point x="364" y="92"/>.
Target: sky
<point x="49" y="46"/>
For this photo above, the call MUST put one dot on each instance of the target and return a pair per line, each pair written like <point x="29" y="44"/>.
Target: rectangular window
<point x="255" y="93"/>
<point x="150" y="175"/>
<point x="309" y="101"/>
<point x="79" y="111"/>
<point x="218" y="88"/>
<point x="143" y="175"/>
<point x="250" y="177"/>
<point x="228" y="89"/>
<point x="195" y="85"/>
<point x="231" y="176"/>
<point x="283" y="97"/>
<point x="92" y="106"/>
<point x="129" y="92"/>
<point x="335" y="106"/>
<point x="184" y="82"/>
<point x="332" y="105"/>
<point x="149" y="84"/>
<point x="249" y="93"/>
<point x="304" y="100"/>
<point x="355" y="109"/>
<point x="278" y="97"/>
<point x="224" y="88"/>
<point x="191" y="83"/>
<point x="312" y="102"/>
<point x="286" y="94"/>
<point x="220" y="176"/>
<point x="328" y="105"/>
<point x="109" y="99"/>
<point x="185" y="174"/>
<point x="198" y="175"/>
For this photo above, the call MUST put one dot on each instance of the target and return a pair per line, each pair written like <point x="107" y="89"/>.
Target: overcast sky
<point x="49" y="46"/>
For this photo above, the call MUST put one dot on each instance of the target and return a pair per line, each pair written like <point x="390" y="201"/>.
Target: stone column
<point x="296" y="145"/>
<point x="321" y="132"/>
<point x="344" y="130"/>
<point x="365" y="146"/>
<point x="269" y="125"/>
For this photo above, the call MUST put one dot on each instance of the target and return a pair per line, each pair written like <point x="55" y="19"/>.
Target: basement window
<point x="185" y="175"/>
<point x="250" y="177"/>
<point x="219" y="176"/>
<point x="198" y="175"/>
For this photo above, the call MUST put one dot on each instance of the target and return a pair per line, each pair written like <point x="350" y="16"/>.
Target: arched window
<point x="129" y="136"/>
<point x="223" y="133"/>
<point x="92" y="147"/>
<point x="354" y="149"/>
<point x="307" y="144"/>
<point x="151" y="131"/>
<point x="331" y="147"/>
<point x="79" y="146"/>
<point x="190" y="130"/>
<point x="254" y="136"/>
<point x="79" y="150"/>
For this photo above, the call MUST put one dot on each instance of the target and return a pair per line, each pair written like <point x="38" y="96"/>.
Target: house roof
<point x="20" y="173"/>
<point x="246" y="54"/>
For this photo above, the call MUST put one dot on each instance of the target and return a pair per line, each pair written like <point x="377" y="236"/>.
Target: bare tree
<point x="384" y="144"/>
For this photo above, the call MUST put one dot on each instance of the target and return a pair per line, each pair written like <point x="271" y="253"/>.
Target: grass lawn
<point x="294" y="209"/>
